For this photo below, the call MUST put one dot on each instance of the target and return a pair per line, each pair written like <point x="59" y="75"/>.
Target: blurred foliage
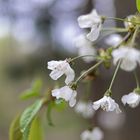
<point x="138" y="5"/>
<point x="34" y="91"/>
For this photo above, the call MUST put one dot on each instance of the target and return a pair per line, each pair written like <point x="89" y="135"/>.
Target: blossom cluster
<point x="121" y="51"/>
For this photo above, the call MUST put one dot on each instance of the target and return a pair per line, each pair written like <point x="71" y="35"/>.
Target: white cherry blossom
<point x="93" y="21"/>
<point x="59" y="68"/>
<point x="107" y="104"/>
<point x="85" y="48"/>
<point x="132" y="99"/>
<point x="95" y="134"/>
<point x="129" y="56"/>
<point x="85" y="109"/>
<point x="65" y="93"/>
<point x="113" y="40"/>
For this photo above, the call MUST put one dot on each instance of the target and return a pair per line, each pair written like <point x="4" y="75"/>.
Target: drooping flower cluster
<point x="121" y="51"/>
<point x="58" y="69"/>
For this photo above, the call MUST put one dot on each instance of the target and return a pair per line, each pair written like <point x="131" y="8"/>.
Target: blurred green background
<point x="33" y="32"/>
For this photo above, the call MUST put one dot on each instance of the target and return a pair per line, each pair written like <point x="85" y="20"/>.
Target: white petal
<point x="52" y="64"/>
<point x="95" y="16"/>
<point x="55" y="74"/>
<point x="130" y="98"/>
<point x="96" y="105"/>
<point x="85" y="48"/>
<point x="113" y="40"/>
<point x="85" y="109"/>
<point x="133" y="98"/>
<point x="80" y="106"/>
<point x="69" y="78"/>
<point x="66" y="93"/>
<point x="88" y="50"/>
<point x="56" y="93"/>
<point x="120" y="52"/>
<point x="59" y="68"/>
<point x="124" y="99"/>
<point x="69" y="75"/>
<point x="95" y="32"/>
<point x="129" y="56"/>
<point x="85" y="21"/>
<point x="82" y="41"/>
<point x="72" y="102"/>
<point x="97" y="134"/>
<point x="118" y="109"/>
<point x="107" y="104"/>
<point x="86" y="135"/>
<point x="111" y="104"/>
<point x="128" y="65"/>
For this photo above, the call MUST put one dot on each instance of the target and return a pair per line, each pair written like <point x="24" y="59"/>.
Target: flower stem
<point x="77" y="57"/>
<point x="114" y="76"/>
<point x="115" y="29"/>
<point x="120" y="19"/>
<point x="134" y="35"/>
<point x="137" y="81"/>
<point x="88" y="71"/>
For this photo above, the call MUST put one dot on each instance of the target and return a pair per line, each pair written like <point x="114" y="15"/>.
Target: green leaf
<point x="25" y="135"/>
<point x="36" y="130"/>
<point x="28" y="115"/>
<point x="60" y="104"/>
<point x="15" y="133"/>
<point x="34" y="91"/>
<point x="49" y="110"/>
<point x="28" y="94"/>
<point x="37" y="85"/>
<point x="138" y="5"/>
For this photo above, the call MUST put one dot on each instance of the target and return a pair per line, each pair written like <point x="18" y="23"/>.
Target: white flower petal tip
<point x="107" y="104"/>
<point x="113" y="40"/>
<point x="65" y="93"/>
<point x="130" y="58"/>
<point x="93" y="21"/>
<point x="86" y="21"/>
<point x="60" y="68"/>
<point x="85" y="48"/>
<point x="85" y="109"/>
<point x="95" y="32"/>
<point x="132" y="99"/>
<point x="95" y="134"/>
